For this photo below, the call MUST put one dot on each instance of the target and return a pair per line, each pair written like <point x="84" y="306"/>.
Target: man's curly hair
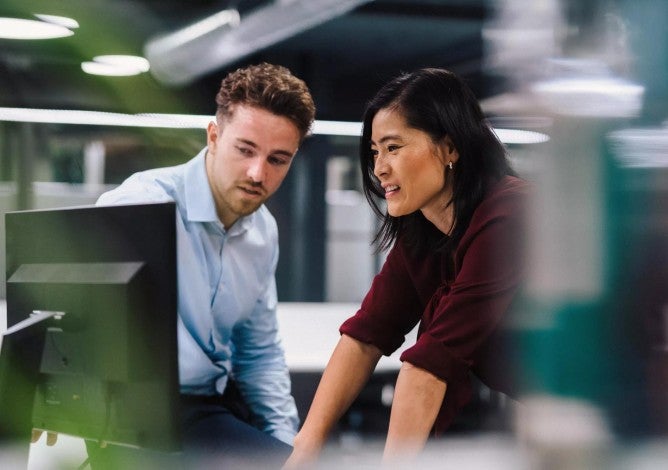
<point x="270" y="87"/>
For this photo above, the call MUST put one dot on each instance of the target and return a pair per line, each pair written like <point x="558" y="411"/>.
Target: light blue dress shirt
<point x="227" y="324"/>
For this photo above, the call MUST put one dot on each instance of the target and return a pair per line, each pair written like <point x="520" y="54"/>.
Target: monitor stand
<point x="20" y="356"/>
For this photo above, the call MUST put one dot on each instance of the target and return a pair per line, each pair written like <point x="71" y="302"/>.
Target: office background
<point x="577" y="89"/>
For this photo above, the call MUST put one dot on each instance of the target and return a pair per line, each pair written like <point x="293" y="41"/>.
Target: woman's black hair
<point x="439" y="103"/>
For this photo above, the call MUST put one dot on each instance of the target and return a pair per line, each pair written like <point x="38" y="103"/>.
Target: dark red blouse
<point x="459" y="315"/>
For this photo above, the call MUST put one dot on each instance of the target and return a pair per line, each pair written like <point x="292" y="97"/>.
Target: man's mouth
<point x="251" y="191"/>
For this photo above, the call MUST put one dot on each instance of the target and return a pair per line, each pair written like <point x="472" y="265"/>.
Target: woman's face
<point x="410" y="166"/>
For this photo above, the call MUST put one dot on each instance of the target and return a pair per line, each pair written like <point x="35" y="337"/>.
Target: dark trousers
<point x="215" y="434"/>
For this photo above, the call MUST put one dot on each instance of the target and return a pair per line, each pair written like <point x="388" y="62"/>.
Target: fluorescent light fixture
<point x="152" y="120"/>
<point x="518" y="136"/>
<point x="93" y="118"/>
<point x="16" y="28"/>
<point x="116" y="65"/>
<point x="170" y="54"/>
<point x="59" y="20"/>
<point x="129" y="61"/>
<point x="604" y="86"/>
<point x="195" y="31"/>
<point x="641" y="148"/>
<point x="594" y="97"/>
<point x="97" y="68"/>
<point x="187" y="121"/>
<point x="216" y="46"/>
<point x="348" y="128"/>
<point x="201" y="121"/>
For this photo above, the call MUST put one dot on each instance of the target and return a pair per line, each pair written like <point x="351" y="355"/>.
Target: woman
<point x="453" y="223"/>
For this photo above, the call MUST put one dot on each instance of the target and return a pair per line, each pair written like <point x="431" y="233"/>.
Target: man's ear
<point x="211" y="136"/>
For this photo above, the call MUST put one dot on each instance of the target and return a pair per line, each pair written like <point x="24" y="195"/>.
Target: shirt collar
<point x="200" y="205"/>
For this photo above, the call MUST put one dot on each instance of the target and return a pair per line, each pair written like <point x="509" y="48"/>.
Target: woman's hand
<point x="305" y="453"/>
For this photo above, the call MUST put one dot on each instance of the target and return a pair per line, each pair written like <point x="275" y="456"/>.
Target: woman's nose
<point x="379" y="166"/>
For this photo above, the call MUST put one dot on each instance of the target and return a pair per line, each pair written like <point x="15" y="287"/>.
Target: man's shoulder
<point x="154" y="185"/>
<point x="165" y="177"/>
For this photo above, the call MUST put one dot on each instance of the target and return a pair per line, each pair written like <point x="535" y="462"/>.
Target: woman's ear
<point x="449" y="151"/>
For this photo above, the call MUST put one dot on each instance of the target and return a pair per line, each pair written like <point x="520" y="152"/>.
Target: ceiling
<point x="343" y="59"/>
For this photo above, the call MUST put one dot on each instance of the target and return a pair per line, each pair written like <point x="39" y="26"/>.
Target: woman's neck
<point x="442" y="218"/>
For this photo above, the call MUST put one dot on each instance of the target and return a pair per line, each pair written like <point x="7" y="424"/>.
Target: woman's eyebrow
<point x="386" y="138"/>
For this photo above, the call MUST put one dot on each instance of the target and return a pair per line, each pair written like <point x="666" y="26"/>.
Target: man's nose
<point x="256" y="170"/>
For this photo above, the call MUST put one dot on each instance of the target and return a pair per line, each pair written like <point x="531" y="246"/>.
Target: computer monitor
<point x="91" y="346"/>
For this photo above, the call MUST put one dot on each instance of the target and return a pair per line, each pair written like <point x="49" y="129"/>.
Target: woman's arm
<point x="417" y="399"/>
<point x="349" y="368"/>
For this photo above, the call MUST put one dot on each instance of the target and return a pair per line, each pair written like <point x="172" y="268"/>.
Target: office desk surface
<point x="310" y="332"/>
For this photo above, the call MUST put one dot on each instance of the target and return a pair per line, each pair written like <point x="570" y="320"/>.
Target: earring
<point x="450" y="165"/>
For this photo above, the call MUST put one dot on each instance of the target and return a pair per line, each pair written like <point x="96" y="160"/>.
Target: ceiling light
<point x="338" y="128"/>
<point x="225" y="18"/>
<point x="16" y="28"/>
<point x="167" y="53"/>
<point x="92" y="118"/>
<point x="59" y="20"/>
<point x="216" y="47"/>
<point x="518" y="136"/>
<point x="116" y="65"/>
<point x="98" y="68"/>
<point x="593" y="97"/>
<point x="129" y="61"/>
<point x="150" y="120"/>
<point x="188" y="121"/>
<point x="641" y="148"/>
<point x="200" y="121"/>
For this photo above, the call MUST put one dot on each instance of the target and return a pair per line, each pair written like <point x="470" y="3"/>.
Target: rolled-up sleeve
<point x="389" y="310"/>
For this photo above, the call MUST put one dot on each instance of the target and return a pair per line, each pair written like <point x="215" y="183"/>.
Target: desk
<point x="310" y="332"/>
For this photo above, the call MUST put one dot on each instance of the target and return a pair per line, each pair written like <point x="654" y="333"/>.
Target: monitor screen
<point x="96" y="287"/>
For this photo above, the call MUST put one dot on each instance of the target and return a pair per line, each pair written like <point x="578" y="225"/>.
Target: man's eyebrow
<point x="281" y="152"/>
<point x="247" y="142"/>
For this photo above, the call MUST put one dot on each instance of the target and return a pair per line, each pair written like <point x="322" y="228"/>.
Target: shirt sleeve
<point x="259" y="366"/>
<point x="390" y="309"/>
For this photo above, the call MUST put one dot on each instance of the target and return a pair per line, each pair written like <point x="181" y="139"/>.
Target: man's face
<point x="248" y="156"/>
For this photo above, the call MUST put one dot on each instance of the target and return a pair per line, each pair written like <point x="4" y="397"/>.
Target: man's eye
<point x="277" y="161"/>
<point x="392" y="148"/>
<point x="245" y="150"/>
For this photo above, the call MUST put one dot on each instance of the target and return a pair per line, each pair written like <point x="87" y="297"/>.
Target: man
<point x="227" y="251"/>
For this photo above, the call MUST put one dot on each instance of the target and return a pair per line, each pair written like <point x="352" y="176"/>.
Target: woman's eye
<point x="392" y="148"/>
